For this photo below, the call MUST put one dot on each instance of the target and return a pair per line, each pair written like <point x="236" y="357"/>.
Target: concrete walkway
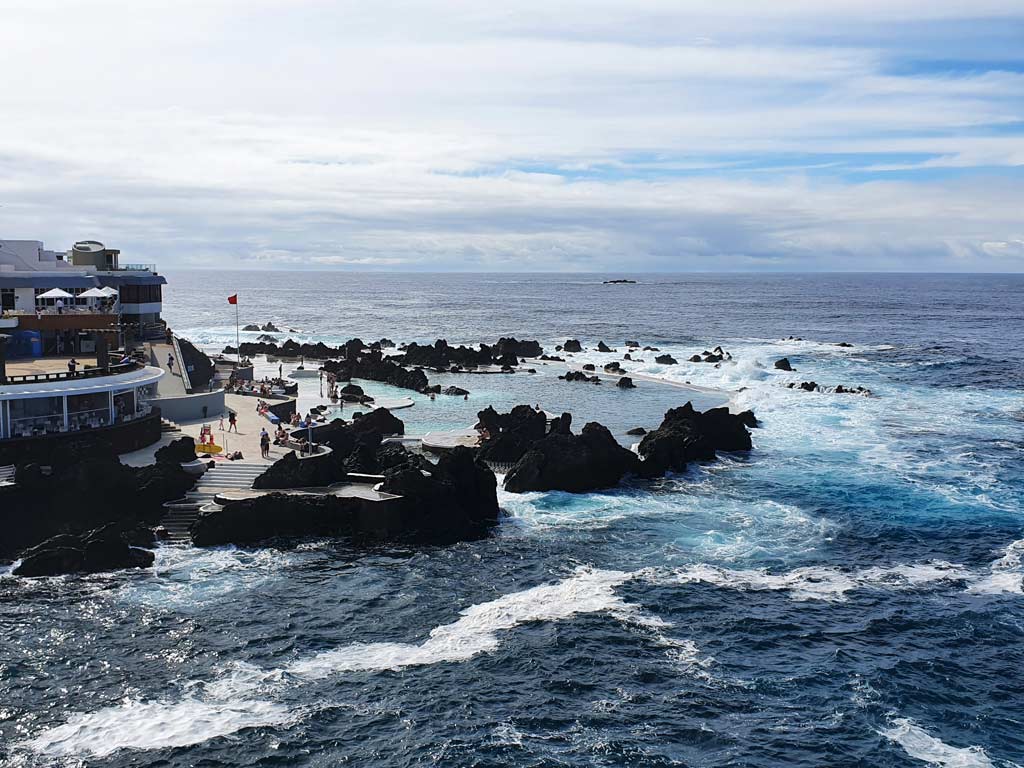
<point x="171" y="385"/>
<point x="246" y="440"/>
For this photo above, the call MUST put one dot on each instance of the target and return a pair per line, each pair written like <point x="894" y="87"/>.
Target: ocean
<point x="848" y="594"/>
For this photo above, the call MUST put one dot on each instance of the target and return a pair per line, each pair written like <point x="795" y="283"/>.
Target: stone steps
<point x="181" y="514"/>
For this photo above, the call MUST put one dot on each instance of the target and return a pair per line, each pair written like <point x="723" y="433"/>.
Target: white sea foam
<point x="226" y="705"/>
<point x="921" y="745"/>
<point x="244" y="695"/>
<point x="821" y="582"/>
<point x="1005" y="576"/>
<point x="476" y="631"/>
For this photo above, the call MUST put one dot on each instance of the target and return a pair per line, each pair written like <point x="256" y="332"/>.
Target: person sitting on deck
<point x="281" y="436"/>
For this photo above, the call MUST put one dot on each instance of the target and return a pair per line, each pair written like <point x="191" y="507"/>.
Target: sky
<point x="604" y="136"/>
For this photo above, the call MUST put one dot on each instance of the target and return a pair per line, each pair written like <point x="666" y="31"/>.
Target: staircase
<point x="7" y="474"/>
<point x="225" y="476"/>
<point x="168" y="427"/>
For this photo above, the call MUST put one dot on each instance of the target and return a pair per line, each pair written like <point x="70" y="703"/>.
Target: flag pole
<point x="238" y="345"/>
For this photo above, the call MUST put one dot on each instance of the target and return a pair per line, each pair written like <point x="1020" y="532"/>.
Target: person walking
<point x="170" y="363"/>
<point x="232" y="421"/>
<point x="265" y="443"/>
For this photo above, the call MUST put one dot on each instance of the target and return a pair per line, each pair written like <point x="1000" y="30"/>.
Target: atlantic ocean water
<point x="848" y="594"/>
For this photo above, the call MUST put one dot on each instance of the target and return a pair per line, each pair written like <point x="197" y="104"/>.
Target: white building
<point x="27" y="269"/>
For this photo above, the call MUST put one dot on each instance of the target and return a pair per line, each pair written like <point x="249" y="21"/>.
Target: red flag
<point x="233" y="299"/>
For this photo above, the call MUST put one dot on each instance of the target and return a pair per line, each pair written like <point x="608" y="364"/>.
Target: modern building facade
<point x="59" y="325"/>
<point x="112" y="401"/>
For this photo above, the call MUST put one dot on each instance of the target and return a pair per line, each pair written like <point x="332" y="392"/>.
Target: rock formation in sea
<point x="82" y="486"/>
<point x="783" y="364"/>
<point x="452" y="500"/>
<point x="577" y="463"/>
<point x="442" y="356"/>
<point x="555" y="459"/>
<point x="572" y="345"/>
<point x="716" y="355"/>
<point x="625" y="383"/>
<point x="580" y="376"/>
<point x="508" y="436"/>
<point x="687" y="435"/>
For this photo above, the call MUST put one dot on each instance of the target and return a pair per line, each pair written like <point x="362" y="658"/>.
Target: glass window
<point x="88" y="411"/>
<point x="37" y="416"/>
<point x="124" y="406"/>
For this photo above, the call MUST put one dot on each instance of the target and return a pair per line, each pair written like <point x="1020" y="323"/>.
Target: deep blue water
<point x="849" y="594"/>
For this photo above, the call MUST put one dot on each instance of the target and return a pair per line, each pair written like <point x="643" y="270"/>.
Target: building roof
<point x="61" y="387"/>
<point x="31" y="280"/>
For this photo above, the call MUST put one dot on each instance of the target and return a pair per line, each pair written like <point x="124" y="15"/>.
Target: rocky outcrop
<point x="449" y="501"/>
<point x="455" y="391"/>
<point x="81" y="485"/>
<point x="105" y="549"/>
<point x="572" y="345"/>
<point x="783" y="364"/>
<point x="252" y="327"/>
<point x="200" y="367"/>
<point x="665" y="360"/>
<point x="442" y="356"/>
<point x="373" y="366"/>
<point x="588" y="367"/>
<point x="381" y="421"/>
<point x="579" y="376"/>
<point x="716" y="355"/>
<point x="633" y="344"/>
<point x="613" y="367"/>
<point x="625" y="383"/>
<point x="636" y="431"/>
<point x="177" y="451"/>
<point x="289" y="348"/>
<point x="270" y="328"/>
<point x="576" y="463"/>
<point x="686" y="435"/>
<point x="508" y="436"/>
<point x="602" y="347"/>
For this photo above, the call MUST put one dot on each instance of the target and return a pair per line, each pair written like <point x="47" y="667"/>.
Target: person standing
<point x="265" y="443"/>
<point x="232" y="422"/>
<point x="170" y="363"/>
<point x="72" y="366"/>
<point x="60" y="306"/>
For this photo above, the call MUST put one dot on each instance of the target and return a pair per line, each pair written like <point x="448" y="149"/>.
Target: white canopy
<point x="55" y="293"/>
<point x="108" y="291"/>
<point x="93" y="293"/>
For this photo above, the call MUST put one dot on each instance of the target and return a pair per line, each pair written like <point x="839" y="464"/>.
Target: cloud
<point x="701" y="135"/>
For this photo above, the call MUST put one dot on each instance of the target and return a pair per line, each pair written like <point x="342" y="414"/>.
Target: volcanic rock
<point x="665" y="360"/>
<point x="625" y="383"/>
<point x="783" y="364"/>
<point x="686" y="435"/>
<point x="575" y="463"/>
<point x="572" y="345"/>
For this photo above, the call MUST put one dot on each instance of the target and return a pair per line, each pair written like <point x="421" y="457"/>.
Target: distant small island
<point x="617" y="282"/>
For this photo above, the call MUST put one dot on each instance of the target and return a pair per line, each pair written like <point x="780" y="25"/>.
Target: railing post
<point x="3" y="358"/>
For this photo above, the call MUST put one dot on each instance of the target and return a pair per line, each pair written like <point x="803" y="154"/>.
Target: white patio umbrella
<point x="93" y="293"/>
<point x="108" y="291"/>
<point x="55" y="293"/>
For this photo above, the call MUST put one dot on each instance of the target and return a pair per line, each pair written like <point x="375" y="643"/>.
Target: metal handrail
<point x="185" y="379"/>
<point x="86" y="373"/>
